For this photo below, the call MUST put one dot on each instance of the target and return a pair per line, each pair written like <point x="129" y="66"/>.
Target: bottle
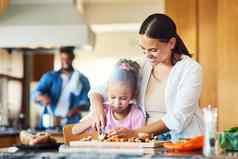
<point x="210" y="121"/>
<point x="21" y="121"/>
<point x="47" y="118"/>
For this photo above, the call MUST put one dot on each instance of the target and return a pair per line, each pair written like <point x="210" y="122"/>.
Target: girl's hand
<point x="100" y="121"/>
<point x="122" y="132"/>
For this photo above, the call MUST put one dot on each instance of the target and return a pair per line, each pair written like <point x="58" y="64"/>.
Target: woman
<point x="170" y="83"/>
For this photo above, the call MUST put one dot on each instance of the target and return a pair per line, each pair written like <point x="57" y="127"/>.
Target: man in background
<point x="63" y="93"/>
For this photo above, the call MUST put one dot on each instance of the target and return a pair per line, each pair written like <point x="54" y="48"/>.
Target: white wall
<point x="130" y="12"/>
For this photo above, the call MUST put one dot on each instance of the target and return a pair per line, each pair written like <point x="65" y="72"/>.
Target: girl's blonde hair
<point x="126" y="70"/>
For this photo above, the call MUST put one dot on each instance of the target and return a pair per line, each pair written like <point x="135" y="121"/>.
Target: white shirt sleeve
<point x="186" y="101"/>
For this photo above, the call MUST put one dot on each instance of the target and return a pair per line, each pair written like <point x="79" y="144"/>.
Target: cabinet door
<point x="16" y="64"/>
<point x="41" y="63"/>
<point x="11" y="63"/>
<point x="3" y="5"/>
<point x="14" y="101"/>
<point x="4" y="64"/>
<point x="3" y="101"/>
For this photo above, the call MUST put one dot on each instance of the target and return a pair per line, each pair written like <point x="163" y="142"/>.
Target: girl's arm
<point x="96" y="118"/>
<point x="84" y="124"/>
<point x="97" y="101"/>
<point x="97" y="95"/>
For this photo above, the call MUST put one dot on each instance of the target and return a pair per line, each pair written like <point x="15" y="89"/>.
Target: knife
<point x="102" y="134"/>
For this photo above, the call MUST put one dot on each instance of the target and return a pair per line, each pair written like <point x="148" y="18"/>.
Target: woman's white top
<point x="155" y="99"/>
<point x="183" y="116"/>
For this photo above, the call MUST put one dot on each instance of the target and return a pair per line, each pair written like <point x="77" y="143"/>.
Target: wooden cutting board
<point x="100" y="144"/>
<point x="73" y="141"/>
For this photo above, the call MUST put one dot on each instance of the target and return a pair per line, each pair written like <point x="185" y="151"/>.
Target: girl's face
<point x="155" y="50"/>
<point x="119" y="96"/>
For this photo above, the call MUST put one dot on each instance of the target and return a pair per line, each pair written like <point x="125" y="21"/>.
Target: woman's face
<point x="119" y="96"/>
<point x="155" y="50"/>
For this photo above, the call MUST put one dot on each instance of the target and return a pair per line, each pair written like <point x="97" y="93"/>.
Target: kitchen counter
<point x="92" y="154"/>
<point x="10" y="136"/>
<point x="8" y="131"/>
<point x="54" y="154"/>
<point x="101" y="155"/>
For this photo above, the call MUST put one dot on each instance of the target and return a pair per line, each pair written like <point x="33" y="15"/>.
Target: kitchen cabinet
<point x="185" y="16"/>
<point x="16" y="64"/>
<point x="8" y="140"/>
<point x="11" y="85"/>
<point x="196" y="20"/>
<point x="227" y="66"/>
<point x="12" y="63"/>
<point x="10" y="101"/>
<point x="41" y="63"/>
<point x="4" y="56"/>
<point x="214" y="29"/>
<point x="14" y="101"/>
<point x="3" y="5"/>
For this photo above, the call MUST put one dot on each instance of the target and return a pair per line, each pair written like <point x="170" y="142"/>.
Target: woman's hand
<point x="122" y="132"/>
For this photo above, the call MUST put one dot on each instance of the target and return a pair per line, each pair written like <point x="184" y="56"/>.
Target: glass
<point x="210" y="121"/>
<point x="1" y="115"/>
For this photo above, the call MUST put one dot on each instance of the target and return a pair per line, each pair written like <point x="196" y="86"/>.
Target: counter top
<point x="8" y="131"/>
<point x="54" y="154"/>
<point x="87" y="155"/>
<point x="13" y="131"/>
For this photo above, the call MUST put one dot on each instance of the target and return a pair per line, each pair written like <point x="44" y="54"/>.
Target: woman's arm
<point x="152" y="129"/>
<point x="155" y="128"/>
<point x="180" y="115"/>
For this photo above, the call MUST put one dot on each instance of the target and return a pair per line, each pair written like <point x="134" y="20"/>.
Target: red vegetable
<point x="189" y="145"/>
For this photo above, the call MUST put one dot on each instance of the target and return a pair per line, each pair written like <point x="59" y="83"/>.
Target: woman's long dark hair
<point x="162" y="27"/>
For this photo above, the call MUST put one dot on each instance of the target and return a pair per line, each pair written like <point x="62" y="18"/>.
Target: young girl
<point x="120" y="108"/>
